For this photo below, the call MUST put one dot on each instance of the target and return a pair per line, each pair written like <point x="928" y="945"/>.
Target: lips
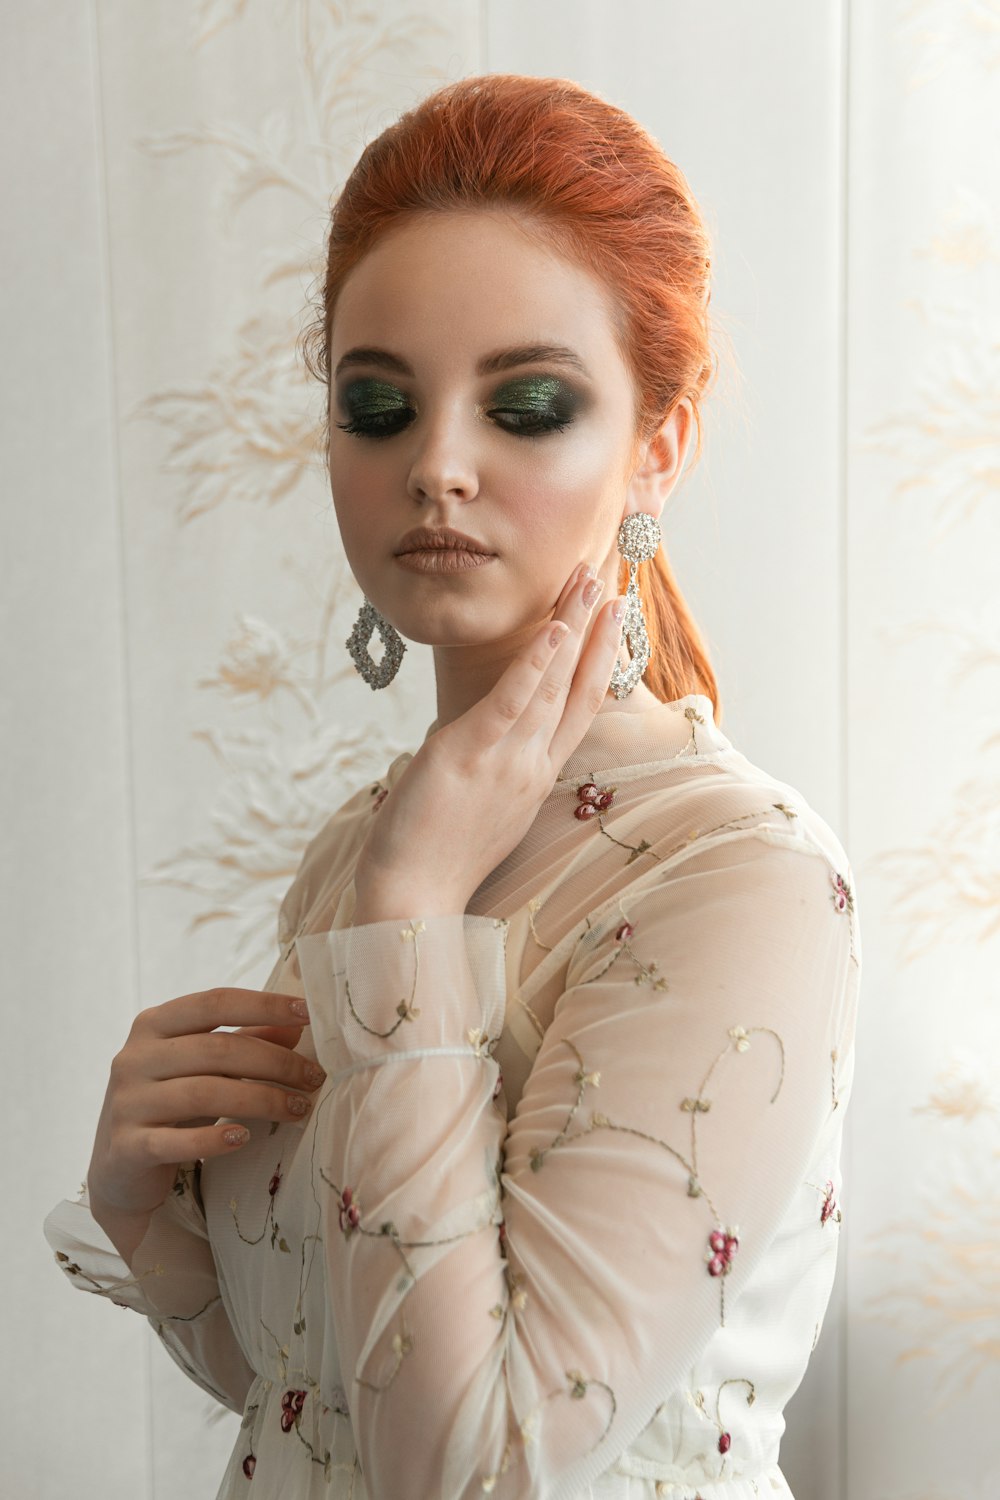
<point x="440" y="539"/>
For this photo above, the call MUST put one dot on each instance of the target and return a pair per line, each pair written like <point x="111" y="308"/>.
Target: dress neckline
<point x="681" y="728"/>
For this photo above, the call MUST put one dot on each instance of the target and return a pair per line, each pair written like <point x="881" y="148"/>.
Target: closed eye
<point x="384" y="424"/>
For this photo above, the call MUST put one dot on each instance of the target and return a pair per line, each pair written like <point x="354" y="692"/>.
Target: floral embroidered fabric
<point x="563" y="1221"/>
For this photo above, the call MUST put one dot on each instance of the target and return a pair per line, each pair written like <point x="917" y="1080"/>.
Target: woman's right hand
<point x="174" y="1078"/>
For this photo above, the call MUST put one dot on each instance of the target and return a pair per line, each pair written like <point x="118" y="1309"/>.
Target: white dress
<point x="563" y="1221"/>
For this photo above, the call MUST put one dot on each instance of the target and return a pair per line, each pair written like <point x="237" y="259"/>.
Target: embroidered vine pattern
<point x="648" y="973"/>
<point x="843" y="901"/>
<point x="723" y="1240"/>
<point x="350" y="1211"/>
<point x="594" y="801"/>
<point x="405" y="1010"/>
<point x="843" y="896"/>
<point x="829" y="1209"/>
<point x="72" y="1269"/>
<point x="292" y="1401"/>
<point x="182" y="1186"/>
<point x="724" y="1442"/>
<point x="534" y="907"/>
<point x="576" y="1389"/>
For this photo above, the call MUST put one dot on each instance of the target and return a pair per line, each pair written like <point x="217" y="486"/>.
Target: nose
<point x="442" y="467"/>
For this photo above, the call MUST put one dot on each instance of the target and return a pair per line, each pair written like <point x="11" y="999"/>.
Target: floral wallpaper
<point x="242" y="435"/>
<point x="923" y="279"/>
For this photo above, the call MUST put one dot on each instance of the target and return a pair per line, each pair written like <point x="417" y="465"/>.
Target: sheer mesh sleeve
<point x="172" y="1282"/>
<point x="512" y="1302"/>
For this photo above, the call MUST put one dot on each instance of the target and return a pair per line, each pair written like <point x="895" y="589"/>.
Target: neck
<point x="465" y="674"/>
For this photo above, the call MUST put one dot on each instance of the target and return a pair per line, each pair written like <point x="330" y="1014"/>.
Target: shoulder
<point x="722" y="835"/>
<point x="329" y="851"/>
<point x="703" y="801"/>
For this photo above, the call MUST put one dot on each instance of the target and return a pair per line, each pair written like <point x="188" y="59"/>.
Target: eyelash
<point x="365" y="428"/>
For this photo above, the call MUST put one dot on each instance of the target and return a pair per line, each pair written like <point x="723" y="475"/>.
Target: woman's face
<point x="528" y="460"/>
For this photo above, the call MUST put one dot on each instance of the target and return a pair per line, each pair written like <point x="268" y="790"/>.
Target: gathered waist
<point x="619" y="1483"/>
<point x="631" y="1477"/>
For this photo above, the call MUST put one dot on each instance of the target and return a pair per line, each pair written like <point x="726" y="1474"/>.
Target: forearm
<point x="125" y="1231"/>
<point x="380" y="898"/>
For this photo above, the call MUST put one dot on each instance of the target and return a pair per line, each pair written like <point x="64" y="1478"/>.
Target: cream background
<point x="179" y="713"/>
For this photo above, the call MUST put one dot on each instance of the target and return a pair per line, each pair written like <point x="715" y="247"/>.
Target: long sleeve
<point x="513" y="1300"/>
<point x="173" y="1282"/>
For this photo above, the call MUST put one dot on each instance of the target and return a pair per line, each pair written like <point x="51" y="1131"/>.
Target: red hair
<point x="591" y="181"/>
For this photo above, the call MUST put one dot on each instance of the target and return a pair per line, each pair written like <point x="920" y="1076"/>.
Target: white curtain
<point x="179" y="711"/>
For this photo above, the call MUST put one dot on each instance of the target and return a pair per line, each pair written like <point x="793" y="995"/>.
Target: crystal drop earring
<point x="377" y="674"/>
<point x="638" y="538"/>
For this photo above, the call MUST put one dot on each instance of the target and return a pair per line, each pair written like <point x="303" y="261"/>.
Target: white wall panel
<point x="923" y="453"/>
<point x="75" y="1382"/>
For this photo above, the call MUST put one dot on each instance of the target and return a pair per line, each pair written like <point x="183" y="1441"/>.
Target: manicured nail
<point x="618" y="610"/>
<point x="592" y="592"/>
<point x="557" y="632"/>
<point x="299" y="1008"/>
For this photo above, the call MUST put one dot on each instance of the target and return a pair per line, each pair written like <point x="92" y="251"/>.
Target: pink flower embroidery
<point x="499" y="1083"/>
<point x="624" y="932"/>
<point x="724" y="1443"/>
<point x="593" y="799"/>
<point x="350" y="1211"/>
<point x="379" y="794"/>
<point x="722" y="1246"/>
<point x="249" y="1464"/>
<point x="829" y="1208"/>
<point x="843" y="897"/>
<point x="292" y="1403"/>
<point x="272" y="1186"/>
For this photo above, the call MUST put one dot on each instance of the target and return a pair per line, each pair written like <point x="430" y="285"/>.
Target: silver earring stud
<point x="638" y="538"/>
<point x="377" y="674"/>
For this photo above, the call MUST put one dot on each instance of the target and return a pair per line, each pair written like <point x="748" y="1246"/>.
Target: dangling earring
<point x="377" y="674"/>
<point x="638" y="538"/>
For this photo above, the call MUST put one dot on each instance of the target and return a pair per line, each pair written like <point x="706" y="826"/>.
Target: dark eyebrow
<point x="500" y="359"/>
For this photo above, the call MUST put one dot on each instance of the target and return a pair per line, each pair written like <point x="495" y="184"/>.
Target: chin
<point x="451" y="625"/>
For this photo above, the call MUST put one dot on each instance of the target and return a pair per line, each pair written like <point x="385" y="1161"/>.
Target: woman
<point x="561" y="1218"/>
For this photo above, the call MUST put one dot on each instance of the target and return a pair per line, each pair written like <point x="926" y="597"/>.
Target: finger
<point x="204" y="1095"/>
<point x="509" y="697"/>
<point x="204" y="1010"/>
<point x="574" y="581"/>
<point x="228" y="1055"/>
<point x="548" y="704"/>
<point x="590" y="684"/>
<point x="283" y="1036"/>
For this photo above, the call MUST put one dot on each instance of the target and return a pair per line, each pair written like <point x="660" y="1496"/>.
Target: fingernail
<point x="592" y="592"/>
<point x="557" y="632"/>
<point x="299" y="1008"/>
<point x="618" y="610"/>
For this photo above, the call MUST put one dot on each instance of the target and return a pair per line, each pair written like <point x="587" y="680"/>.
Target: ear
<point x="660" y="461"/>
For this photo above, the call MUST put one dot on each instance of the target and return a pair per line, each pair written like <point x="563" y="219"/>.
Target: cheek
<point x="357" y="487"/>
<point x="566" y="505"/>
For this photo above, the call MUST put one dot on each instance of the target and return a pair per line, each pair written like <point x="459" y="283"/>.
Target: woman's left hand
<point x="473" y="789"/>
